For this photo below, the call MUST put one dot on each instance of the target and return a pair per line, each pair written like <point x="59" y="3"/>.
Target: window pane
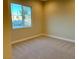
<point x="27" y="16"/>
<point x="21" y="16"/>
<point x="16" y="15"/>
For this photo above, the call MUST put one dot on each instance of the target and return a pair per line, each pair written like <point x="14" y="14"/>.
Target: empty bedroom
<point x="39" y="29"/>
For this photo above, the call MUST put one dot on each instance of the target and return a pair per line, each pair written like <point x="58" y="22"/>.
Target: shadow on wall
<point x="60" y="19"/>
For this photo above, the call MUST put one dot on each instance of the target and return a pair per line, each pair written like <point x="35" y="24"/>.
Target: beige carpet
<point x="43" y="48"/>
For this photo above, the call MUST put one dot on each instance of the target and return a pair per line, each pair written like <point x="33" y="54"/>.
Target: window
<point x="21" y="16"/>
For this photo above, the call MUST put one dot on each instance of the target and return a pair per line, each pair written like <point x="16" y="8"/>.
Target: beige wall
<point x="18" y="34"/>
<point x="7" y="31"/>
<point x="53" y="17"/>
<point x="59" y="18"/>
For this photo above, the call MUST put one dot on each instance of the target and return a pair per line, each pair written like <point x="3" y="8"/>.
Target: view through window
<point x="21" y="16"/>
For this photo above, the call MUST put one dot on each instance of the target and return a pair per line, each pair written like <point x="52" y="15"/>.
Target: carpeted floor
<point x="44" y="48"/>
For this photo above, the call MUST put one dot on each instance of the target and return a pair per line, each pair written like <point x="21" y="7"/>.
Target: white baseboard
<point x="52" y="36"/>
<point x="65" y="39"/>
<point x="21" y="40"/>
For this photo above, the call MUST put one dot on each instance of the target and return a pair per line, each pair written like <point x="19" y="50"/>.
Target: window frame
<point x="22" y="16"/>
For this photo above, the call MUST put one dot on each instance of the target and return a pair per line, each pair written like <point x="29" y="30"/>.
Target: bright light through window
<point x="21" y="16"/>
